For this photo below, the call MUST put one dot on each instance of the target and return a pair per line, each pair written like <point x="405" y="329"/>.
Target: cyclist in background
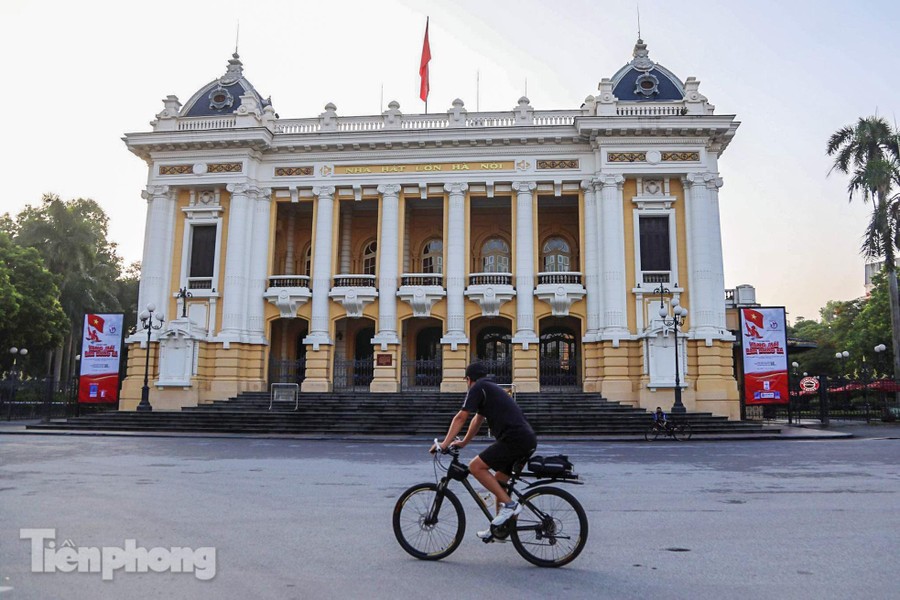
<point x="515" y="438"/>
<point x="659" y="419"/>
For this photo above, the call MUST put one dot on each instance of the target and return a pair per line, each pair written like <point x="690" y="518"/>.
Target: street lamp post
<point x="884" y="410"/>
<point x="149" y="322"/>
<point x="842" y="358"/>
<point x="679" y="314"/>
<point x="14" y="377"/>
<point x="796" y="373"/>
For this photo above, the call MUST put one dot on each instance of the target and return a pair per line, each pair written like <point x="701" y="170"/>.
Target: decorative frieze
<point x="176" y="169"/>
<point x="557" y="164"/>
<point x="292" y="171"/>
<point x="234" y="167"/>
<point x="680" y="156"/>
<point x="626" y="157"/>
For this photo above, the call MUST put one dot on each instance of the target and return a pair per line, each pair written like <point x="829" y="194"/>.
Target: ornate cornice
<point x="610" y="180"/>
<point x="524" y="187"/>
<point x="389" y="189"/>
<point x="324" y="191"/>
<point x="456" y="188"/>
<point x="157" y="191"/>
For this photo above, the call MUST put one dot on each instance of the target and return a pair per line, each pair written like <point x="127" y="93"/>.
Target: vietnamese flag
<point x="755" y="317"/>
<point x="96" y="321"/>
<point x="424" y="88"/>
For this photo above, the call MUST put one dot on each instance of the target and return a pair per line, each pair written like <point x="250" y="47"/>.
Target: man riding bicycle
<point x="515" y="438"/>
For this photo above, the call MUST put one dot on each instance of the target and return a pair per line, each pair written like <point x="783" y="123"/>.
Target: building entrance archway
<point x="559" y="355"/>
<point x="493" y="347"/>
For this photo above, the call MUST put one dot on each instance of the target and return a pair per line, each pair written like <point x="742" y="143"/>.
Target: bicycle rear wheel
<point x="425" y="527"/>
<point x="651" y="434"/>
<point x="683" y="431"/>
<point x="552" y="528"/>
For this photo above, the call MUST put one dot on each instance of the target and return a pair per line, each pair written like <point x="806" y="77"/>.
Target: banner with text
<point x="764" y="350"/>
<point x="100" y="349"/>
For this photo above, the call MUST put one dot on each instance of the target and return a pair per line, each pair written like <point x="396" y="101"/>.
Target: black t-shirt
<point x="503" y="415"/>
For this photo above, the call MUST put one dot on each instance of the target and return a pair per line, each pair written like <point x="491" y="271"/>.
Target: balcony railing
<point x="656" y="276"/>
<point x="650" y="110"/>
<point x="200" y="283"/>
<point x="289" y="281"/>
<point x="559" y="277"/>
<point x="354" y="281"/>
<point x="422" y="279"/>
<point x="490" y="279"/>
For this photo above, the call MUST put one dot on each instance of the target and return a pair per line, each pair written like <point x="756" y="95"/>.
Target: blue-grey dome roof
<point x="642" y="79"/>
<point x="222" y="96"/>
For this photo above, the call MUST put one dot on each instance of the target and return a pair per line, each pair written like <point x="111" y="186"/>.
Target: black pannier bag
<point x="550" y="466"/>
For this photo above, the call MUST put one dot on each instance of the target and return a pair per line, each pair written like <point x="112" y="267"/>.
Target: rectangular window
<point x="203" y="250"/>
<point x="655" y="249"/>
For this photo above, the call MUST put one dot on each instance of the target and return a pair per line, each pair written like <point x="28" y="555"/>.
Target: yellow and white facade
<point x="536" y="240"/>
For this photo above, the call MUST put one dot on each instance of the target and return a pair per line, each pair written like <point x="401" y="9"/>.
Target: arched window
<point x="307" y="261"/>
<point x="433" y="256"/>
<point x="495" y="256"/>
<point x="370" y="253"/>
<point x="557" y="255"/>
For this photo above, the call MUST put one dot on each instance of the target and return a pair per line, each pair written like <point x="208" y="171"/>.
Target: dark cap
<point x="476" y="371"/>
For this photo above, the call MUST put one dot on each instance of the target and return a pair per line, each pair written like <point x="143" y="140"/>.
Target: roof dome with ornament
<point x="222" y="96"/>
<point x="642" y="79"/>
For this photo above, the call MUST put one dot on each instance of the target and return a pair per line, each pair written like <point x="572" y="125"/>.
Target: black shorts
<point x="502" y="455"/>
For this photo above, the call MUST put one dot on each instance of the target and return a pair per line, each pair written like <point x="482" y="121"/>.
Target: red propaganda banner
<point x="764" y="350"/>
<point x="100" y="348"/>
<point x="424" y="87"/>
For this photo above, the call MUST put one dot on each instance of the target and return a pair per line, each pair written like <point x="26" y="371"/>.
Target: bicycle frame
<point x="457" y="467"/>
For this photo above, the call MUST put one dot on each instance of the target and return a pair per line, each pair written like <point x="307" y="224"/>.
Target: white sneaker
<point x="486" y="535"/>
<point x="507" y="511"/>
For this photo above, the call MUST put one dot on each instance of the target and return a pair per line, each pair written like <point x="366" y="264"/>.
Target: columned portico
<point x="455" y="338"/>
<point x="318" y="361"/>
<point x="386" y="340"/>
<point x="158" y="239"/>
<point x="525" y="358"/>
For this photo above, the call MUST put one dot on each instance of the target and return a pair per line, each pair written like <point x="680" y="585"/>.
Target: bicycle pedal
<point x="487" y="540"/>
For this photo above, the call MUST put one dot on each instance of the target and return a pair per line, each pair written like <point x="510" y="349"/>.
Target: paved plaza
<point x="312" y="519"/>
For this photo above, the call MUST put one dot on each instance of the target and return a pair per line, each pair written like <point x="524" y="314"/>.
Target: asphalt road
<point x="307" y="519"/>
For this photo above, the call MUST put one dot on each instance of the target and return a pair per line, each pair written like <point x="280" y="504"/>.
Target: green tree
<point x="869" y="152"/>
<point x="30" y="313"/>
<point x="72" y="239"/>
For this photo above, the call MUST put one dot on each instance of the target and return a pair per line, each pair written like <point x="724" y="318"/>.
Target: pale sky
<point x="78" y="75"/>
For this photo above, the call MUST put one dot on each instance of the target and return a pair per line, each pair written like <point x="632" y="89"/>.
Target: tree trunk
<point x="57" y="361"/>
<point x="895" y="320"/>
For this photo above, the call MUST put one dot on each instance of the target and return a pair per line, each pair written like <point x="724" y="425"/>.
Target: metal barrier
<point x="353" y="374"/>
<point x="285" y="392"/>
<point x="421" y="373"/>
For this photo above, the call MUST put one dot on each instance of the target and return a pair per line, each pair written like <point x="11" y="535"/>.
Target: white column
<point x="612" y="234"/>
<point x="258" y="265"/>
<point x="707" y="281"/>
<point x="525" y="333"/>
<point x="318" y="331"/>
<point x="591" y="261"/>
<point x="157" y="257"/>
<point x="456" y="267"/>
<point x="234" y="293"/>
<point x="388" y="255"/>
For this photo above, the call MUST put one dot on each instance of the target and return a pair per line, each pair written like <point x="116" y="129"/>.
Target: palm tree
<point x="869" y="152"/>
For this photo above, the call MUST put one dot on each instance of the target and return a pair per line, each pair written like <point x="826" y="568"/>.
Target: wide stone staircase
<point x="403" y="414"/>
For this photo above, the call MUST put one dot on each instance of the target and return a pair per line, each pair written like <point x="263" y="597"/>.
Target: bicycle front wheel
<point x="429" y="526"/>
<point x="552" y="528"/>
<point x="651" y="434"/>
<point x="683" y="432"/>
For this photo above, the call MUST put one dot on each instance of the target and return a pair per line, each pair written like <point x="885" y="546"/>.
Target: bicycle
<point x="551" y="531"/>
<point x="677" y="431"/>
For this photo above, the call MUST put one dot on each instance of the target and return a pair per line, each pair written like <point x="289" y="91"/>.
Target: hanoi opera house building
<point x="384" y="253"/>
